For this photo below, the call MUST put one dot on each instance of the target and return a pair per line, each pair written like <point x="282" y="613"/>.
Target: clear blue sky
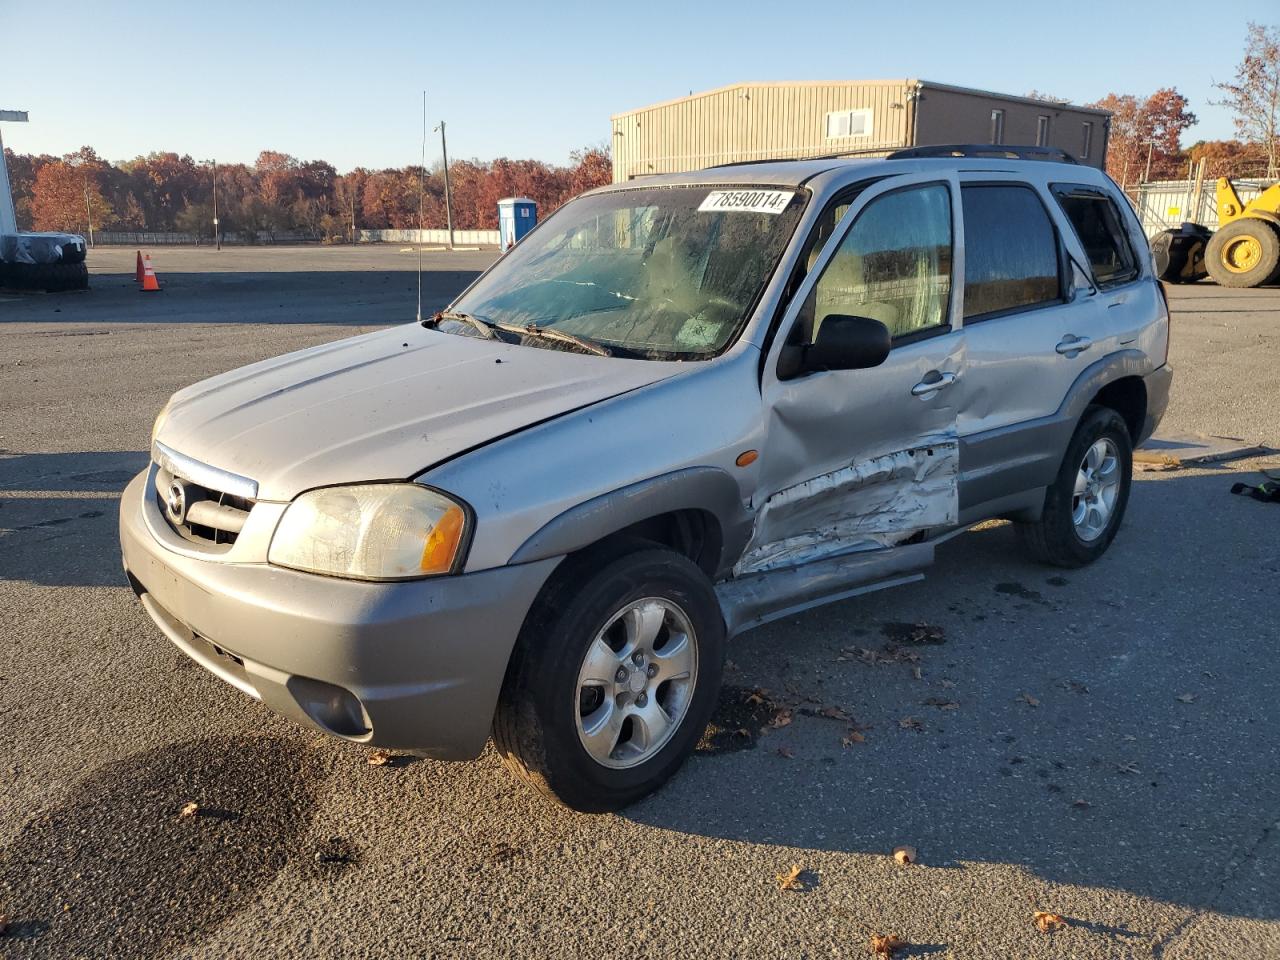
<point x="343" y="81"/>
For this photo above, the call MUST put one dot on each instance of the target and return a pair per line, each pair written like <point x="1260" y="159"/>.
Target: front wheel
<point x="613" y="679"/>
<point x="1086" y="502"/>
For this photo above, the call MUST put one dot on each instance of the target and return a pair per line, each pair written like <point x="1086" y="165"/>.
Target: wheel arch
<point x="697" y="512"/>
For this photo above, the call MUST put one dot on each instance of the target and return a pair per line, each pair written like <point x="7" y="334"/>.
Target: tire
<point x="66" y="276"/>
<point x="1253" y="245"/>
<point x="1058" y="537"/>
<point x="544" y="713"/>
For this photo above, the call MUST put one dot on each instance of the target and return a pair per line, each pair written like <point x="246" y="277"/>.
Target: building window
<point x="997" y="126"/>
<point x="848" y="123"/>
<point x="1042" y="131"/>
<point x="1087" y="144"/>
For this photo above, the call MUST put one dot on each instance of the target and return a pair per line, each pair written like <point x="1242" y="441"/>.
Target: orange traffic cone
<point x="138" y="273"/>
<point x="149" y="281"/>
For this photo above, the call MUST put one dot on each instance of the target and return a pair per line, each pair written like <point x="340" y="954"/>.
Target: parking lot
<point x="1102" y="743"/>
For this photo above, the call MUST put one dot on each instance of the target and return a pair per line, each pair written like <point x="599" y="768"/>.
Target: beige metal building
<point x="756" y="121"/>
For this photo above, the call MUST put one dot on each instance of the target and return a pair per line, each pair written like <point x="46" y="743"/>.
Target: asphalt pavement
<point x="1103" y="744"/>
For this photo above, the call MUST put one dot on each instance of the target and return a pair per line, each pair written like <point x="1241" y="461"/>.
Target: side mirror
<point x="848" y="343"/>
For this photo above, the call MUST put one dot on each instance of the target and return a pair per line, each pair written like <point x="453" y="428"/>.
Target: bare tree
<point x="1255" y="93"/>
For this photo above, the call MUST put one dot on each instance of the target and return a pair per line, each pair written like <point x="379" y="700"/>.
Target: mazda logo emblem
<point x="175" y="502"/>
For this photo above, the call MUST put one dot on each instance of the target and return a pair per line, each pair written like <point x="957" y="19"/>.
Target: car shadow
<point x="1108" y="726"/>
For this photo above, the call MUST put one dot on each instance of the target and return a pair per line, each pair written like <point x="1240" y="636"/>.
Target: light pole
<point x="217" y="234"/>
<point x="448" y="199"/>
<point x="84" y="179"/>
<point x="1151" y="145"/>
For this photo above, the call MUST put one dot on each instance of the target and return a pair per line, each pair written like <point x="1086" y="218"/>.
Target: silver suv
<point x="678" y="409"/>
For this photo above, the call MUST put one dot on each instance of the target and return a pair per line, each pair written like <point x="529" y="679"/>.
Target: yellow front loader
<point x="1245" y="249"/>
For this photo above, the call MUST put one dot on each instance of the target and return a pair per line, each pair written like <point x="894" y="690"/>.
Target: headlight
<point x="374" y="531"/>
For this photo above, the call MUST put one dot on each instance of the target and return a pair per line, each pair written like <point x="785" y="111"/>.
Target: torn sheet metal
<point x="868" y="504"/>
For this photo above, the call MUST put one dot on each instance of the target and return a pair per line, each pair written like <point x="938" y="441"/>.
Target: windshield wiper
<point x="548" y="333"/>
<point x="486" y="327"/>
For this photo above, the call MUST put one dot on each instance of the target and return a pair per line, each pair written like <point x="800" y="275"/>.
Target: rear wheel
<point x="1086" y="502"/>
<point x="1245" y="253"/>
<point x="614" y="677"/>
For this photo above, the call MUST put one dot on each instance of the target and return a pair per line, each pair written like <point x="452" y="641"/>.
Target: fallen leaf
<point x="833" y="713"/>
<point x="910" y="723"/>
<point x="1186" y="698"/>
<point x="852" y="737"/>
<point x="1130" y="767"/>
<point x="946" y="684"/>
<point x="1048" y="922"/>
<point x="791" y="879"/>
<point x="941" y="704"/>
<point x="915" y="672"/>
<point x="786" y="752"/>
<point x="189" y="809"/>
<point x="758" y="695"/>
<point x="379" y="758"/>
<point x="1029" y="700"/>
<point x="742" y="732"/>
<point x="904" y="856"/>
<point x="886" y="944"/>
<point x="1082" y="804"/>
<point x="780" y="719"/>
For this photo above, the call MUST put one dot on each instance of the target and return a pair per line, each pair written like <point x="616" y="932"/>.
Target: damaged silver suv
<point x="680" y="408"/>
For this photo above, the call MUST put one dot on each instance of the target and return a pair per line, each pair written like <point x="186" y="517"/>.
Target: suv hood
<point x="384" y="406"/>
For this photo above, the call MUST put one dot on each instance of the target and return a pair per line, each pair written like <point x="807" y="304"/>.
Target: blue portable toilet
<point x="516" y="217"/>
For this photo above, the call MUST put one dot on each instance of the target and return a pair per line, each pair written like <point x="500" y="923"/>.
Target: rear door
<point x="864" y="459"/>
<point x="1029" y="329"/>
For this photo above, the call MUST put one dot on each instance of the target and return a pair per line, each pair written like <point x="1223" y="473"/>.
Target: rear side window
<point x="1097" y="223"/>
<point x="1010" y="251"/>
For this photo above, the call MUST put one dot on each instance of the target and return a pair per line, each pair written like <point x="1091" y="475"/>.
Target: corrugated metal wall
<point x="754" y="122"/>
<point x="949" y="115"/>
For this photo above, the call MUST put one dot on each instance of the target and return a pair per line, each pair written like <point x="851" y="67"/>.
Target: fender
<point x="694" y="488"/>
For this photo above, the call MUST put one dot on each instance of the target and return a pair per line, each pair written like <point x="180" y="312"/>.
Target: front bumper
<point x="413" y="666"/>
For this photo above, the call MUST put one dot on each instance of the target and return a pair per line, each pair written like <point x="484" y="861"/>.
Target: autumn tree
<point x="67" y="194"/>
<point x="1254" y="94"/>
<point x="280" y="194"/>
<point x="1142" y="128"/>
<point x="1227" y="158"/>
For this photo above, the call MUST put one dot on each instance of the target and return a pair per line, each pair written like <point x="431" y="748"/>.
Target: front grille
<point x="199" y="513"/>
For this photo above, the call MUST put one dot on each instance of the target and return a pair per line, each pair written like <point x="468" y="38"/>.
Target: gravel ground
<point x="1101" y="743"/>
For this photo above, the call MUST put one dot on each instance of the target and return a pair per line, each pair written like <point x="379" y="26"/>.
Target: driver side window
<point x="894" y="265"/>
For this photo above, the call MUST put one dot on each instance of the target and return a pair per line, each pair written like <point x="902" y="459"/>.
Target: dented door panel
<point x="853" y="460"/>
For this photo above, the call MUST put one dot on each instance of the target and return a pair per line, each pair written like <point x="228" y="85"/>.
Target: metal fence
<point x="1165" y="204"/>
<point x="177" y="238"/>
<point x="462" y="238"/>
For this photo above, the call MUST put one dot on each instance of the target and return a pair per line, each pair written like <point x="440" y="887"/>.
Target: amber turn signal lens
<point x="442" y="542"/>
<point x="747" y="457"/>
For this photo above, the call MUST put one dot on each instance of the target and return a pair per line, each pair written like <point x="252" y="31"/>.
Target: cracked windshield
<point x="660" y="273"/>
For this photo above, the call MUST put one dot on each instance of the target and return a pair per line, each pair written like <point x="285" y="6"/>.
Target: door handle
<point x="1070" y="345"/>
<point x="926" y="387"/>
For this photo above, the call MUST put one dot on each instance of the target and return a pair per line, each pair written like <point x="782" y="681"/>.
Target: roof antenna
<point x="422" y="186"/>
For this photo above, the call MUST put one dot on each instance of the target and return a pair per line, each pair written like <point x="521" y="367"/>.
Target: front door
<point x="866" y="459"/>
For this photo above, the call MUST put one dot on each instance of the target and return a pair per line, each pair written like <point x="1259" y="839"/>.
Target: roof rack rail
<point x="984" y="150"/>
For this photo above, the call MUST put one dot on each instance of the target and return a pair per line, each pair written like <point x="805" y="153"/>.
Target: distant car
<point x="679" y="408"/>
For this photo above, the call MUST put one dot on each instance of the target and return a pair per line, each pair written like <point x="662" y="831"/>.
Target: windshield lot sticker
<point x="746" y="201"/>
